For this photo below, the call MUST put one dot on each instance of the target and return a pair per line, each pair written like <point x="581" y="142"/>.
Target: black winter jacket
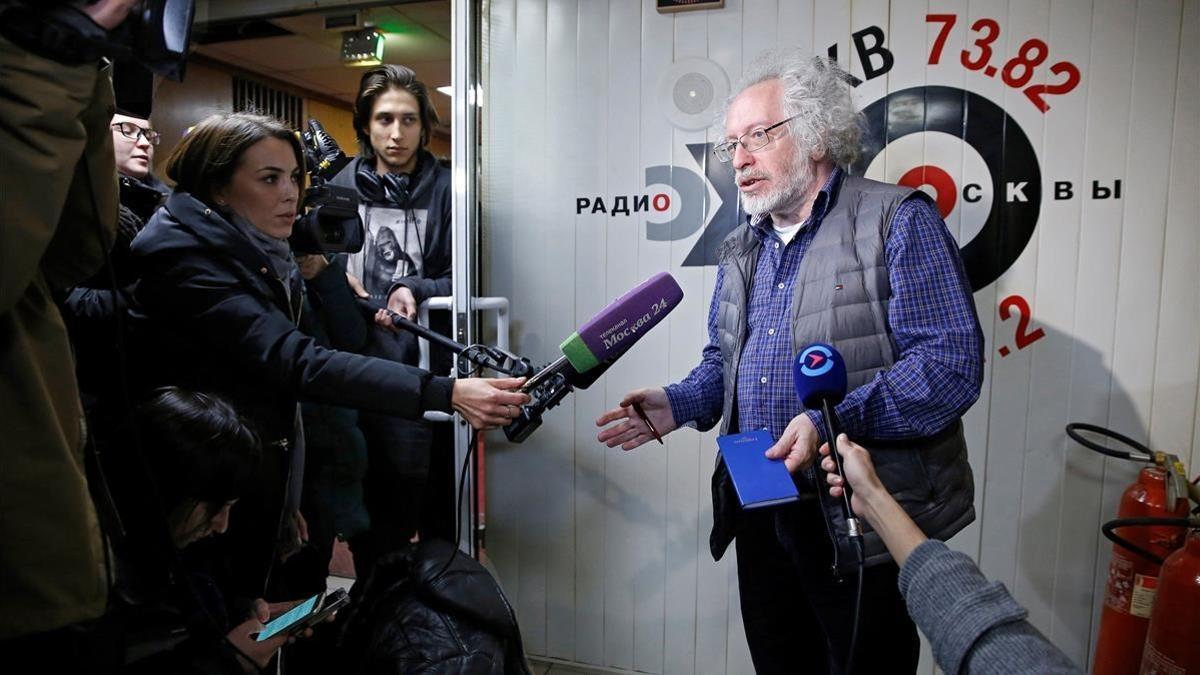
<point x="91" y="308"/>
<point x="418" y="614"/>
<point x="211" y="315"/>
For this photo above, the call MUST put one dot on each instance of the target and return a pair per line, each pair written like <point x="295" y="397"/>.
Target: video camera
<point x="156" y="34"/>
<point x="330" y="222"/>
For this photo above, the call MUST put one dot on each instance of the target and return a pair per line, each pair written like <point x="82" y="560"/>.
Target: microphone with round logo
<point x="819" y="375"/>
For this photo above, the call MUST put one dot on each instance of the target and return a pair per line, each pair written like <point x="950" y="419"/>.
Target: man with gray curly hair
<point x="871" y="269"/>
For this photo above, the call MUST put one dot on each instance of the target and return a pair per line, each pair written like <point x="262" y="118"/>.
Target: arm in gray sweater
<point x="973" y="625"/>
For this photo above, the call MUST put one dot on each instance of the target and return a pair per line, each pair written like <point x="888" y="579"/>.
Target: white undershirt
<point x="787" y="232"/>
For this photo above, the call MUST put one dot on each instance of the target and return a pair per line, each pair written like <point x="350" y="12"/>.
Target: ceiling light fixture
<point x="362" y="47"/>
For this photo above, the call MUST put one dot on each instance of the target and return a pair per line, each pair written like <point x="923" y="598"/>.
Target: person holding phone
<point x="186" y="459"/>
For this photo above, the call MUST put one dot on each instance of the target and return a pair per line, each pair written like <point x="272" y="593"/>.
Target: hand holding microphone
<point x="859" y="474"/>
<point x="586" y="355"/>
<point x="819" y="375"/>
<point x="488" y="403"/>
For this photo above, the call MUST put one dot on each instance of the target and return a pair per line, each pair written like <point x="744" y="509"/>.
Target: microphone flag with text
<point x="598" y="343"/>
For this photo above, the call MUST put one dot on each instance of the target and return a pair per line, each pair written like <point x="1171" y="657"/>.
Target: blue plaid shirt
<point x="931" y="314"/>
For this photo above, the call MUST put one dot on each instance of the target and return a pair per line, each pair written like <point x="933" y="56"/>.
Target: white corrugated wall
<point x="605" y="553"/>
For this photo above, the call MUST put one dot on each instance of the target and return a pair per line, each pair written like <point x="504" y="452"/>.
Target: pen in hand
<point x="637" y="408"/>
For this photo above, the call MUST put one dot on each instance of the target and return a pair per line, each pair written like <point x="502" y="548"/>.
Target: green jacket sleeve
<point x="57" y="171"/>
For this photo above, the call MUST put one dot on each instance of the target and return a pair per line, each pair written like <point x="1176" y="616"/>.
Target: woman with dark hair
<point x="216" y="306"/>
<point x="186" y="459"/>
<point x="201" y="457"/>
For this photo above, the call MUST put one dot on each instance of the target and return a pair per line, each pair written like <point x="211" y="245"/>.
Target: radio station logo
<point x="1000" y="182"/>
<point x="962" y="148"/>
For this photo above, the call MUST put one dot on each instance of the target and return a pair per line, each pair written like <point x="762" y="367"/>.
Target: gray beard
<point x="797" y="181"/>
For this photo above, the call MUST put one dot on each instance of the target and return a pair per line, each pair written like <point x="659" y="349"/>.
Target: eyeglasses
<point x="751" y="141"/>
<point x="132" y="131"/>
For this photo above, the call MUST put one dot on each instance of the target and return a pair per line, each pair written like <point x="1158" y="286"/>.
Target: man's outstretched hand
<point x="628" y="430"/>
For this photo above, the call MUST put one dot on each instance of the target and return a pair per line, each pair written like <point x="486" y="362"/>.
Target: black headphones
<point x="386" y="188"/>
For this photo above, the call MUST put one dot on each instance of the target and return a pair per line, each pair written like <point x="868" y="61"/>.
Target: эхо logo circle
<point x="999" y="141"/>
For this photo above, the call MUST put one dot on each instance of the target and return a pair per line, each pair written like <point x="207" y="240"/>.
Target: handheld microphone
<point x="598" y="343"/>
<point x="819" y="375"/>
<point x="613" y="331"/>
<point x="321" y="152"/>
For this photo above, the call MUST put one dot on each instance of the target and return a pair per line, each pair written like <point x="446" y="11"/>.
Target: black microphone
<point x="819" y="375"/>
<point x="322" y="153"/>
<point x="470" y="357"/>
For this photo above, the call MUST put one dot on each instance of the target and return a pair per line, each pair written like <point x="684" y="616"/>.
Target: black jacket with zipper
<point x="429" y="191"/>
<point x="430" y="194"/>
<point x="209" y="314"/>
<point x="212" y="315"/>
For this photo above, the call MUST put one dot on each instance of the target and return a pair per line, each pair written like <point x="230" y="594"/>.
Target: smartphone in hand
<point x="308" y="613"/>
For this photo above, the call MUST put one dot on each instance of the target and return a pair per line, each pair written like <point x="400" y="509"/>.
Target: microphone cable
<point x="852" y="523"/>
<point x="858" y="550"/>
<point x="462" y="483"/>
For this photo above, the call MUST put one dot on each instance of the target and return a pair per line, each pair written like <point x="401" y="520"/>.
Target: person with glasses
<point x="871" y="269"/>
<point x="134" y="142"/>
<point x="91" y="308"/>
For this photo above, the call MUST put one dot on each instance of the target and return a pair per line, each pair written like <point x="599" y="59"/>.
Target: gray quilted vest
<point x="842" y="299"/>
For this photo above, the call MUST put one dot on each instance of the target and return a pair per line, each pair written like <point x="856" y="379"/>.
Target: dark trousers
<point x="397" y="458"/>
<point x="798" y="617"/>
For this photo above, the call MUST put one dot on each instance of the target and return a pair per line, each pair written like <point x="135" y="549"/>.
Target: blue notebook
<point x="759" y="481"/>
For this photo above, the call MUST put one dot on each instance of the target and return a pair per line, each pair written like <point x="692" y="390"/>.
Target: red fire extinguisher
<point x="1173" y="642"/>
<point x="1138" y="552"/>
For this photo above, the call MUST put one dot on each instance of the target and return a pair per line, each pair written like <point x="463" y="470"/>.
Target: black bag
<point x="412" y="617"/>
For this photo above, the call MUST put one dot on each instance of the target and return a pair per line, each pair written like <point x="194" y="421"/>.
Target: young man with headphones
<point x="406" y="258"/>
